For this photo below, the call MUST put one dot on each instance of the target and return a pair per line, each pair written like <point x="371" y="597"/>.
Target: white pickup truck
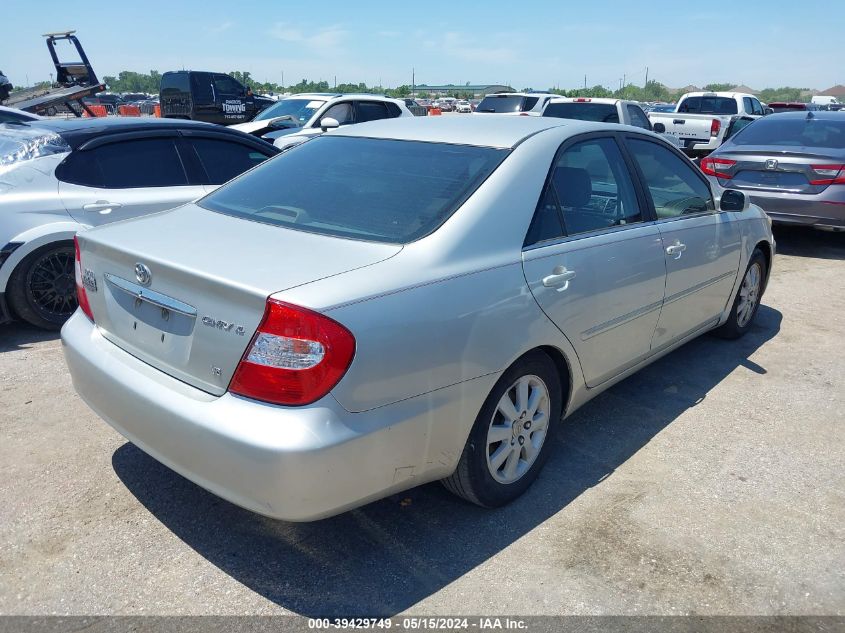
<point x="702" y="121"/>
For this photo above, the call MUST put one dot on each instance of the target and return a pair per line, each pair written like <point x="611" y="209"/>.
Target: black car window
<point x="201" y="88"/>
<point x="152" y="162"/>
<point x="546" y="224"/>
<point x="226" y="86"/>
<point x="393" y="110"/>
<point x="638" y="117"/>
<point x="672" y="182"/>
<point x="223" y="160"/>
<point x="341" y="112"/>
<point x="529" y="103"/>
<point x="500" y="104"/>
<point x="174" y="84"/>
<point x="593" y="187"/>
<point x="583" y="111"/>
<point x="793" y="131"/>
<point x="371" y="111"/>
<point x="708" y="105"/>
<point x="359" y="188"/>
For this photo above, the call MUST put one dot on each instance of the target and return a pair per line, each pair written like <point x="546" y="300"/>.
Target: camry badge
<point x="143" y="274"/>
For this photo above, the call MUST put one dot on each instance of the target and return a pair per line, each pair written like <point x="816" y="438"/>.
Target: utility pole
<point x="624" y="81"/>
<point x="283" y="81"/>
<point x="413" y="83"/>
<point x="585" y="81"/>
<point x="646" y="77"/>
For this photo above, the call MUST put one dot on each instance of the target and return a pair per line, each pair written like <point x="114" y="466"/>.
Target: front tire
<point x="747" y="301"/>
<point x="509" y="441"/>
<point x="42" y="289"/>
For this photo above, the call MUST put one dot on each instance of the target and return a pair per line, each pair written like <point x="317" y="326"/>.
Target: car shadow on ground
<point x="19" y="335"/>
<point x="385" y="557"/>
<point x="803" y="241"/>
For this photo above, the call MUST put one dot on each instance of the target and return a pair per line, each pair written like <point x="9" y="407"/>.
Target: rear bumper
<point x="801" y="209"/>
<point x="297" y="464"/>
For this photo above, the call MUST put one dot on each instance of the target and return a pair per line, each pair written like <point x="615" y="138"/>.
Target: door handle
<point x="676" y="249"/>
<point x="101" y="206"/>
<point x="559" y="278"/>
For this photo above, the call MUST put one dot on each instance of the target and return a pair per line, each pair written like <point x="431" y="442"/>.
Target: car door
<point x="593" y="258"/>
<point x="219" y="160"/>
<point x="123" y="178"/>
<point x="231" y="99"/>
<point x="701" y="246"/>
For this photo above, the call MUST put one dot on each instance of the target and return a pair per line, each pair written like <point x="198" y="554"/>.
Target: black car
<point x="207" y="96"/>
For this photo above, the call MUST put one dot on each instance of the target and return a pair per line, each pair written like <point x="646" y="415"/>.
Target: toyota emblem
<point x="143" y="274"/>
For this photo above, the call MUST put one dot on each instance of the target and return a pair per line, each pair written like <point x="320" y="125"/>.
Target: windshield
<point x="794" y="132"/>
<point x="20" y="142"/>
<point x="500" y="104"/>
<point x="708" y="105"/>
<point x="601" y="112"/>
<point x="300" y="109"/>
<point x="370" y="189"/>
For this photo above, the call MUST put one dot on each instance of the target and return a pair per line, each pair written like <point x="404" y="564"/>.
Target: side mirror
<point x="282" y="122"/>
<point x="659" y="128"/>
<point x="767" y="111"/>
<point x="328" y="123"/>
<point x="733" y="200"/>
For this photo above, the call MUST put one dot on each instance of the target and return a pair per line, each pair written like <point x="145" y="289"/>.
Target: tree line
<point x="128" y="81"/>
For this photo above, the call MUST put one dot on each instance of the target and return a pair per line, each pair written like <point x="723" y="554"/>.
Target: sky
<point x="539" y="44"/>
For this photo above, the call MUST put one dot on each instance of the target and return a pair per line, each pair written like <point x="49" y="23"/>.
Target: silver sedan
<point x="405" y="301"/>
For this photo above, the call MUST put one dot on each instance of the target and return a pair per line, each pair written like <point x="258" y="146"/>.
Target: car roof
<point x="79" y="130"/>
<point x="490" y="130"/>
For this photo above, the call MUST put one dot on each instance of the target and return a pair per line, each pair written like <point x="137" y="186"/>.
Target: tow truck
<point x="74" y="81"/>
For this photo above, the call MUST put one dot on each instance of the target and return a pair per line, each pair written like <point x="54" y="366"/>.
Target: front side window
<point x="150" y="162"/>
<point x="593" y="187"/>
<point x="358" y="188"/>
<point x="225" y="85"/>
<point x="223" y="160"/>
<point x="674" y="186"/>
<point x="341" y="112"/>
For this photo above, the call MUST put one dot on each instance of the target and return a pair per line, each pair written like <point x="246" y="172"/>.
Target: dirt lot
<point x="710" y="483"/>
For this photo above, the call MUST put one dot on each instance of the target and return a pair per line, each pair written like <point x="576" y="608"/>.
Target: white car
<point x="463" y="107"/>
<point x="13" y="115"/>
<point x="514" y="103"/>
<point x="299" y="117"/>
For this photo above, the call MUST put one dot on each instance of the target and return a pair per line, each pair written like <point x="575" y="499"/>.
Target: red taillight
<point x="715" y="126"/>
<point x="524" y="114"/>
<point x="81" y="294"/>
<point x="831" y="174"/>
<point x="295" y="357"/>
<point x="582" y="100"/>
<point x="717" y="167"/>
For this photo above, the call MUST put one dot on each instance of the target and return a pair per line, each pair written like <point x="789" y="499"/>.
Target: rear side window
<point x="371" y="111"/>
<point x="150" y="162"/>
<point x="674" y="186"/>
<point x="201" y="87"/>
<point x="708" y="105"/>
<point x="393" y="110"/>
<point x="793" y="131"/>
<point x="638" y="117"/>
<point x="600" y="112"/>
<point x="223" y="160"/>
<point x="529" y="103"/>
<point x="358" y="188"/>
<point x="500" y="104"/>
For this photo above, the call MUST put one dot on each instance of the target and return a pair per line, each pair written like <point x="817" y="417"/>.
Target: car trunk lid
<point x="758" y="168"/>
<point x="185" y="290"/>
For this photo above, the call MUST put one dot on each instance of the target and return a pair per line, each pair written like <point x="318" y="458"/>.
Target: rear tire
<point x="747" y="300"/>
<point x="509" y="441"/>
<point x="42" y="289"/>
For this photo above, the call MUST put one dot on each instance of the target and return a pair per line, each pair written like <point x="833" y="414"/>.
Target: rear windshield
<point x="173" y="84"/>
<point x="708" y="105"/>
<point x="370" y="189"/>
<point x="500" y="104"/>
<point x="601" y="112"/>
<point x="794" y="132"/>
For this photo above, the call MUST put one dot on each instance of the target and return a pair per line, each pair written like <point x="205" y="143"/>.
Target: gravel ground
<point x="709" y="483"/>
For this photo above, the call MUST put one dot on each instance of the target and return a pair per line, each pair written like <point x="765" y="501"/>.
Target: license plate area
<point x="150" y="322"/>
